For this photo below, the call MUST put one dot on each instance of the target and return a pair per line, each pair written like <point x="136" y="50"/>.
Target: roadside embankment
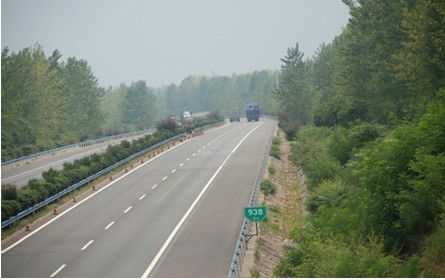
<point x="283" y="191"/>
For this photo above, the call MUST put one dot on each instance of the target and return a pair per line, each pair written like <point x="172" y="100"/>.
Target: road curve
<point x="177" y="215"/>
<point x="20" y="175"/>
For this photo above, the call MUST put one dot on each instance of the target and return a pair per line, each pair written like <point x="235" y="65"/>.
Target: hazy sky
<point x="164" y="41"/>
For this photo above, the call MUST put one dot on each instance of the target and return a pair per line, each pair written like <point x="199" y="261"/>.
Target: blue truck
<point x="253" y="112"/>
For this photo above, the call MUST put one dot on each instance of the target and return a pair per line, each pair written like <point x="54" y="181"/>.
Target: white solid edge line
<point x="142" y="196"/>
<point x="128" y="209"/>
<point x="192" y="206"/>
<point x="110" y="224"/>
<point x="58" y="270"/>
<point x="86" y="245"/>
<point x="87" y="198"/>
<point x="154" y="187"/>
<point x="97" y="192"/>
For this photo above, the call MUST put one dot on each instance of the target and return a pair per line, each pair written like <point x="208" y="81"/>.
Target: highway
<point x="177" y="215"/>
<point x="20" y="175"/>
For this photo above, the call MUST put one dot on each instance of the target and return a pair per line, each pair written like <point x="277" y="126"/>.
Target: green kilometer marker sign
<point x="255" y="213"/>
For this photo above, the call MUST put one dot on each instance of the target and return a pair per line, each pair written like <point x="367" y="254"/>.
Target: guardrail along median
<point x="55" y="184"/>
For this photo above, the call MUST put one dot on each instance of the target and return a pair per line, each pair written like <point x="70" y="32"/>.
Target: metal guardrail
<point x="47" y="201"/>
<point x="84" y="181"/>
<point x="241" y="245"/>
<point x="81" y="144"/>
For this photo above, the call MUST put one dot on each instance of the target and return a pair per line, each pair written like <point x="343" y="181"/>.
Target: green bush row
<point x="54" y="181"/>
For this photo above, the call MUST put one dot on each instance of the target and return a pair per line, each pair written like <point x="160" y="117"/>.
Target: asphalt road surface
<point x="20" y="175"/>
<point x="177" y="215"/>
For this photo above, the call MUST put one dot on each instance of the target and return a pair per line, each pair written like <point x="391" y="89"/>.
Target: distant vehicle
<point x="234" y="116"/>
<point x="186" y="118"/>
<point x="253" y="112"/>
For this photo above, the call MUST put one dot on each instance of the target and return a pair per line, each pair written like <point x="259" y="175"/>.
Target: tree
<point x="139" y="105"/>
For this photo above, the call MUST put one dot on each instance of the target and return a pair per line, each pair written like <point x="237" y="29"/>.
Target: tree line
<point x="227" y="94"/>
<point x="47" y="103"/>
<point x="366" y="116"/>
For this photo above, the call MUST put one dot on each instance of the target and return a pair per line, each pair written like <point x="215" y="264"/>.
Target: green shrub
<point x="10" y="208"/>
<point x="167" y="124"/>
<point x="271" y="169"/>
<point x="27" y="197"/>
<point x="9" y="192"/>
<point x="40" y="187"/>
<point x="267" y="187"/>
<point x="275" y="152"/>
<point x="276" y="141"/>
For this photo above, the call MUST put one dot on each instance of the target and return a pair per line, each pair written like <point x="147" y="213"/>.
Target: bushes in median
<point x="54" y="181"/>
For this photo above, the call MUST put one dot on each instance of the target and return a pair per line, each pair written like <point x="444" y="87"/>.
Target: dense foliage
<point x="54" y="181"/>
<point x="226" y="94"/>
<point x="367" y="116"/>
<point x="129" y="108"/>
<point x="388" y="63"/>
<point x="47" y="103"/>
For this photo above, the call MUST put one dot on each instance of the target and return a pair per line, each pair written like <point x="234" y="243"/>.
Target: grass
<point x="272" y="170"/>
<point x="254" y="273"/>
<point x="257" y="255"/>
<point x="274" y="208"/>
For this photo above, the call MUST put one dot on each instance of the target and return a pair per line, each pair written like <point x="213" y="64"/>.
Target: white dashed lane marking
<point x="86" y="245"/>
<point x="181" y="164"/>
<point x="173" y="171"/>
<point x="128" y="209"/>
<point x="58" y="270"/>
<point x="142" y="196"/>
<point x="109" y="225"/>
<point x="165" y="178"/>
<point x="154" y="187"/>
